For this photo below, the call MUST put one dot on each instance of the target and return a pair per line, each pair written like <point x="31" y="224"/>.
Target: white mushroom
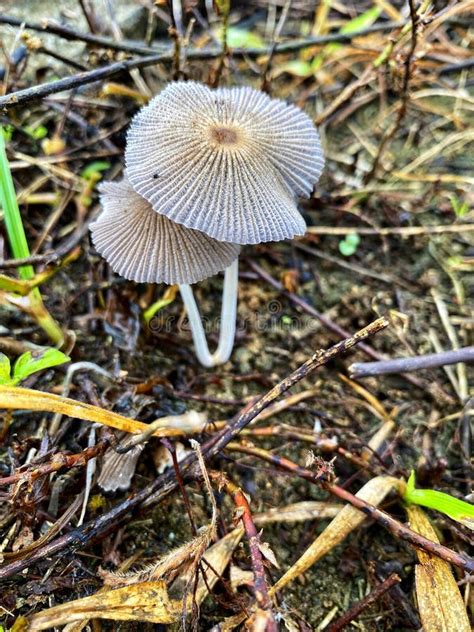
<point x="207" y="170"/>
<point x="228" y="162"/>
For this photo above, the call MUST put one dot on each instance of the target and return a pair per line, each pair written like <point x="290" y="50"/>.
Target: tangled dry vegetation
<point x="139" y="490"/>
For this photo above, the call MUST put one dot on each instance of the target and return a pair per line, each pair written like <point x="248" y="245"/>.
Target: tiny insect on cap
<point x="146" y="247"/>
<point x="228" y="162"/>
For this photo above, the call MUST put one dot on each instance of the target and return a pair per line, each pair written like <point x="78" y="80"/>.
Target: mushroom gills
<point x="146" y="247"/>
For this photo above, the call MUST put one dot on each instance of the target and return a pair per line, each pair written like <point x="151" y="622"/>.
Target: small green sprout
<point x="456" y="509"/>
<point x="29" y="363"/>
<point x="38" y="133"/>
<point x="460" y="207"/>
<point x="349" y="244"/>
<point x="93" y="169"/>
<point x="241" y="38"/>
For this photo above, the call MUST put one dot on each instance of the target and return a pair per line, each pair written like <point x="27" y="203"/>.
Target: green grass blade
<point x="19" y="245"/>
<point x="13" y="222"/>
<point x="453" y="507"/>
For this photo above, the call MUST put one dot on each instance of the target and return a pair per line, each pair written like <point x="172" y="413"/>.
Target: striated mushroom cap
<point x="228" y="162"/>
<point x="146" y="247"/>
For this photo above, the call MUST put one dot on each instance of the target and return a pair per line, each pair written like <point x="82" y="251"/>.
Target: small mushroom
<point x="229" y="162"/>
<point x="146" y="247"/>
<point x="206" y="170"/>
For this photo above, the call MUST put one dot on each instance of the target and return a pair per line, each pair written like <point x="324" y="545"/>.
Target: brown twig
<point x="163" y="485"/>
<point x="262" y="596"/>
<point x="48" y="26"/>
<point x="403" y="365"/>
<point x="364" y="603"/>
<point x="58" y="462"/>
<point x="38" y="92"/>
<point x="266" y="74"/>
<point x="395" y="527"/>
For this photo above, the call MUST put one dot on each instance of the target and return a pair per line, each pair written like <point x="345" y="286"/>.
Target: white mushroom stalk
<point x="207" y="171"/>
<point x="227" y="323"/>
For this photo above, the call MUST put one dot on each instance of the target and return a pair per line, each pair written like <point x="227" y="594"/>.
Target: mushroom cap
<point x="228" y="162"/>
<point x="146" y="247"/>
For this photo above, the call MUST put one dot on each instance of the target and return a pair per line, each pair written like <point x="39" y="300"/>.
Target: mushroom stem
<point x="228" y="319"/>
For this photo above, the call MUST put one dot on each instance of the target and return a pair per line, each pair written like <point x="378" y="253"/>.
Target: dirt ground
<point x="395" y="117"/>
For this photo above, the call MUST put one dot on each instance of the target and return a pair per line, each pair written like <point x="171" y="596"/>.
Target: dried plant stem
<point x="404" y="231"/>
<point x="227" y="324"/>
<point x="262" y="596"/>
<point x="403" y="365"/>
<point x="38" y="92"/>
<point x="362" y="605"/>
<point x="404" y="94"/>
<point x="163" y="485"/>
<point x="395" y="527"/>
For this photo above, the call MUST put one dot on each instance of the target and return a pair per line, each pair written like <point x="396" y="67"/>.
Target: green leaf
<point x="361" y="22"/>
<point x="240" y="38"/>
<point x="31" y="362"/>
<point x="38" y="132"/>
<point x="349" y="244"/>
<point x="456" y="509"/>
<point x="12" y="217"/>
<point x="460" y="208"/>
<point x="5" y="368"/>
<point x="297" y="67"/>
<point x="94" y="168"/>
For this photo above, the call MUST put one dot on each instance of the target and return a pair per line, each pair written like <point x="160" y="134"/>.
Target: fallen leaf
<point x="214" y="563"/>
<point x="268" y="554"/>
<point x="440" y="603"/>
<point x="146" y="601"/>
<point x="348" y="519"/>
<point x="16" y="398"/>
<point x="299" y="512"/>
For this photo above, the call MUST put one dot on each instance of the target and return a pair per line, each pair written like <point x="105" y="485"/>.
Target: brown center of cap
<point x="224" y="135"/>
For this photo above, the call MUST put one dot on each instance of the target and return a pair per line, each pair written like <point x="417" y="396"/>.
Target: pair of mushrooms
<point x="207" y="171"/>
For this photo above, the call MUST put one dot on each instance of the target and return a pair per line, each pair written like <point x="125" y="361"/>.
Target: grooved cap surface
<point x="229" y="162"/>
<point x="146" y="247"/>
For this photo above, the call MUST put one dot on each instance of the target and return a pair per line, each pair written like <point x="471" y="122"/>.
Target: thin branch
<point x="402" y="109"/>
<point x="59" y="461"/>
<point x="163" y="485"/>
<point x="403" y="365"/>
<point x="362" y="605"/>
<point x="48" y="26"/>
<point x="262" y="596"/>
<point x="38" y="92"/>
<point x="396" y="528"/>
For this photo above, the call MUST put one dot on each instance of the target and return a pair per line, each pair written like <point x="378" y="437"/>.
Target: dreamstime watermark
<point x="272" y="318"/>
